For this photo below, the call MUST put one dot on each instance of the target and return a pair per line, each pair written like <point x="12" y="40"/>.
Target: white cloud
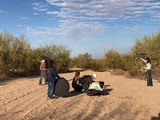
<point x="52" y="12"/>
<point x="102" y="9"/>
<point x="80" y="19"/>
<point x="40" y="9"/>
<point x="67" y="31"/>
<point x="35" y="14"/>
<point x="24" y="18"/>
<point x="19" y="25"/>
<point x="157" y="15"/>
<point x="2" y="11"/>
<point x="40" y="6"/>
<point x="154" y="7"/>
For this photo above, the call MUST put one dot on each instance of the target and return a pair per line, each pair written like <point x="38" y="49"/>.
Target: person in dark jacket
<point x="52" y="78"/>
<point x="88" y="82"/>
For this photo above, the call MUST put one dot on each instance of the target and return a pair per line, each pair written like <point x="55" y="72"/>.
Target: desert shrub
<point x="118" y="72"/>
<point x="97" y="65"/>
<point x="18" y="58"/>
<point x="148" y="46"/>
<point x="85" y="61"/>
<point x="32" y="61"/>
<point x="82" y="61"/>
<point x="112" y="58"/>
<point x="74" y="62"/>
<point x="156" y="72"/>
<point x="60" y="54"/>
<point x="14" y="52"/>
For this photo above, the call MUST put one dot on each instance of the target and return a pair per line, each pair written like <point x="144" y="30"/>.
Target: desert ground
<point x="128" y="99"/>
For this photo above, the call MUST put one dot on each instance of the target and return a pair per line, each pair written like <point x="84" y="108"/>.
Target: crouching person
<point x="96" y="88"/>
<point x="88" y="79"/>
<point x="51" y="79"/>
<point x="75" y="82"/>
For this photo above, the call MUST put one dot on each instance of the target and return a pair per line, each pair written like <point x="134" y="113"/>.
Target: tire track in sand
<point x="20" y="105"/>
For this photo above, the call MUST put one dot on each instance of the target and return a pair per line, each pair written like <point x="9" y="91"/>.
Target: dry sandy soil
<point x="129" y="99"/>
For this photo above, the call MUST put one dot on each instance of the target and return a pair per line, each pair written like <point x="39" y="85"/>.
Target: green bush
<point x="148" y="46"/>
<point x="118" y="72"/>
<point x="82" y="61"/>
<point x="98" y="65"/>
<point x="60" y="54"/>
<point x="14" y="52"/>
<point x="112" y="59"/>
<point x="18" y="58"/>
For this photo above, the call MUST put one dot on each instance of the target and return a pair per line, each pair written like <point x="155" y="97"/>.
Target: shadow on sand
<point x="6" y="80"/>
<point x="74" y="93"/>
<point x="107" y="91"/>
<point x="156" y="118"/>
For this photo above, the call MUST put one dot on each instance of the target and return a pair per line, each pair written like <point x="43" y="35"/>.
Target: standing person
<point x="43" y="72"/>
<point x="148" y="68"/>
<point x="75" y="82"/>
<point x="51" y="78"/>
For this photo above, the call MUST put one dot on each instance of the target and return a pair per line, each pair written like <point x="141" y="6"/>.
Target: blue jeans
<point x="51" y="87"/>
<point x="149" y="78"/>
<point x="42" y="76"/>
<point x="86" y="89"/>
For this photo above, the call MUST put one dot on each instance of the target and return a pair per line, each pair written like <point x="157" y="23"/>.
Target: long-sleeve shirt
<point x="96" y="86"/>
<point x="52" y="75"/>
<point x="42" y="66"/>
<point x="148" y="65"/>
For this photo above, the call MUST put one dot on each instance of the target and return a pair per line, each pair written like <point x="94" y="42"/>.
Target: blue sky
<point x="81" y="25"/>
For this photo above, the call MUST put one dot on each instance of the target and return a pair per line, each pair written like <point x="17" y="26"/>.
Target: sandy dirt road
<point x="129" y="99"/>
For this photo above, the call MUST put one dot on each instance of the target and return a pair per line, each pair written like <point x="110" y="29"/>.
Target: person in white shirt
<point x="148" y="68"/>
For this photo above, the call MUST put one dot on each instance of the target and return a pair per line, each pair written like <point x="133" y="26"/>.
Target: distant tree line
<point x="148" y="46"/>
<point x="18" y="58"/>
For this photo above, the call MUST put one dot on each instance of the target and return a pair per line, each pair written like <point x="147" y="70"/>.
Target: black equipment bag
<point x="83" y="79"/>
<point x="62" y="87"/>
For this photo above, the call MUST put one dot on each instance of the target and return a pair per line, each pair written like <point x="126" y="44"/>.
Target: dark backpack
<point x="83" y="79"/>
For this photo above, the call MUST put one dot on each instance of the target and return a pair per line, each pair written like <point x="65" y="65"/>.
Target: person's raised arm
<point x="143" y="60"/>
